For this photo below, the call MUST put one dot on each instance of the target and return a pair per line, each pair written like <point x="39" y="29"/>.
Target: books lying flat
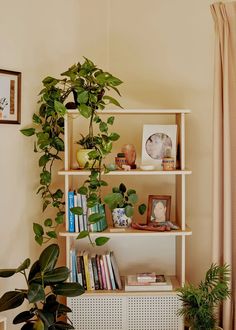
<point x="163" y="283"/>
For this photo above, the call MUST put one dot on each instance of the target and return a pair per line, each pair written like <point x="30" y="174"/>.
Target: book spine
<point x="81" y="259"/>
<point x="104" y="282"/>
<point x="99" y="272"/>
<point x="95" y="273"/>
<point x="108" y="280"/>
<point x="74" y="267"/>
<point x="86" y="267"/>
<point x="115" y="271"/>
<point x="76" y="215"/>
<point x="84" y="206"/>
<point x="103" y="221"/>
<point x="110" y="271"/>
<point x="70" y="214"/>
<point x="90" y="269"/>
<point x="79" y="271"/>
<point x="81" y="217"/>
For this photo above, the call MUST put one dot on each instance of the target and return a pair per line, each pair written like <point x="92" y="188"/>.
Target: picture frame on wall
<point x="158" y="209"/>
<point x="10" y="97"/>
<point x="158" y="142"/>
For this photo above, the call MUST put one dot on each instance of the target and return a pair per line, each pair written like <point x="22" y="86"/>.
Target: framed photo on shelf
<point x="158" y="208"/>
<point x="10" y="97"/>
<point x="158" y="141"/>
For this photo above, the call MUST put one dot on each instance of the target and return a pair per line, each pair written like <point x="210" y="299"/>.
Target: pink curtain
<point x="224" y="148"/>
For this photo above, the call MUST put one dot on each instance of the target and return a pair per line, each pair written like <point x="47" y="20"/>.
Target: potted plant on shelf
<point x="44" y="283"/>
<point x="88" y="85"/>
<point x="121" y="202"/>
<point x="199" y="303"/>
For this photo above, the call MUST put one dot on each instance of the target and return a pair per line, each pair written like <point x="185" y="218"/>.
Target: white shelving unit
<point x="136" y="310"/>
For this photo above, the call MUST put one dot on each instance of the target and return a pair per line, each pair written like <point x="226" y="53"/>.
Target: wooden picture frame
<point x="158" y="208"/>
<point x="10" y="97"/>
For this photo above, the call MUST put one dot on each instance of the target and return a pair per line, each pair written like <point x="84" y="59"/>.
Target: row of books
<point x="78" y="223"/>
<point x="95" y="272"/>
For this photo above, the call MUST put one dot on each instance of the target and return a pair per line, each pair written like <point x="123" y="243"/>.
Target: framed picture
<point x="10" y="97"/>
<point x="159" y="141"/>
<point x="158" y="208"/>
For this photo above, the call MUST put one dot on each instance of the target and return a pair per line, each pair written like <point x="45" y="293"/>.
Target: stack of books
<point x="78" y="223"/>
<point x="95" y="272"/>
<point x="148" y="282"/>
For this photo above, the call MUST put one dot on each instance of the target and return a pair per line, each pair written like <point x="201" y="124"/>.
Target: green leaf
<point x="129" y="211"/>
<point x="83" y="234"/>
<point x="45" y="205"/>
<point x="48" y="257"/>
<point x="94" y="154"/>
<point x="59" y="274"/>
<point x="23" y="317"/>
<point x="35" y="268"/>
<point x="77" y="210"/>
<point x="58" y="194"/>
<point x="28" y="326"/>
<point x="133" y="198"/>
<point x="39" y="239"/>
<point x="110" y="120"/>
<point x="83" y="190"/>
<point x="122" y="188"/>
<point x="11" y="299"/>
<point x="36" y="119"/>
<point x="52" y="234"/>
<point x="103" y="126"/>
<point x="113" y="200"/>
<point x="82" y="97"/>
<point x="28" y="131"/>
<point x="60" y="325"/>
<point x="35" y="293"/>
<point x="60" y="108"/>
<point x="131" y="191"/>
<point x="112" y="100"/>
<point x="114" y="136"/>
<point x="48" y="222"/>
<point x="23" y="266"/>
<point x="58" y="143"/>
<point x="45" y="177"/>
<point x="59" y="218"/>
<point x="43" y="160"/>
<point x="68" y="289"/>
<point x="142" y="209"/>
<point x="49" y="81"/>
<point x="99" y="241"/>
<point x="113" y="81"/>
<point x="7" y="272"/>
<point x="38" y="229"/>
<point x="95" y="217"/>
<point x="85" y="110"/>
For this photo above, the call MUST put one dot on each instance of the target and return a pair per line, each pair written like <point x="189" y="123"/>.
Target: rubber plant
<point x="44" y="283"/>
<point x="89" y="86"/>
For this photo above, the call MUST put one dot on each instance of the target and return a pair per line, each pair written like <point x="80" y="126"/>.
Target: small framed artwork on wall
<point x="158" y="209"/>
<point x="10" y="97"/>
<point x="159" y="141"/>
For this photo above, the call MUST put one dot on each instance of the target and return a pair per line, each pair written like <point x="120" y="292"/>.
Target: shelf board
<point x="128" y="173"/>
<point x="130" y="232"/>
<point x="122" y="292"/>
<point x="135" y="111"/>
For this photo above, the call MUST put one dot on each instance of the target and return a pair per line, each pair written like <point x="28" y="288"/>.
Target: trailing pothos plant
<point x="44" y="283"/>
<point x="88" y="85"/>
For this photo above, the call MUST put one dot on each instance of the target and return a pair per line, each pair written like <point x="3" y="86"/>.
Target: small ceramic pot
<point x="168" y="164"/>
<point x="82" y="158"/>
<point x="120" y="219"/>
<point x="120" y="160"/>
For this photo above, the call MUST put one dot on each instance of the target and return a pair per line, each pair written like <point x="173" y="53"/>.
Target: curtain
<point x="224" y="149"/>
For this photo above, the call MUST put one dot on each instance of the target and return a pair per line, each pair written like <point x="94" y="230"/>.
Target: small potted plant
<point x="121" y="202"/>
<point x="45" y="283"/>
<point x="199" y="303"/>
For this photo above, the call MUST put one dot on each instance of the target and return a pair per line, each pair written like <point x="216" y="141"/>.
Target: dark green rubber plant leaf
<point x="48" y="258"/>
<point x="11" y="299"/>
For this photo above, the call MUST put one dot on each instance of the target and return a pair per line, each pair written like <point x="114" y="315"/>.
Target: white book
<point x="110" y="270"/>
<point x="84" y="206"/>
<point x="76" y="215"/>
<point x="150" y="287"/>
<point x="115" y="270"/>
<point x="90" y="268"/>
<point x="108" y="280"/>
<point x="81" y="218"/>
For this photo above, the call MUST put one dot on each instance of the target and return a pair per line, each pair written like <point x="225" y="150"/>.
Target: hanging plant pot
<point x="82" y="157"/>
<point x="120" y="219"/>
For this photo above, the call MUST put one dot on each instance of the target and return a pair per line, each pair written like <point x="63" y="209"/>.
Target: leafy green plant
<point x="123" y="198"/>
<point x="200" y="302"/>
<point x="88" y="85"/>
<point x="44" y="283"/>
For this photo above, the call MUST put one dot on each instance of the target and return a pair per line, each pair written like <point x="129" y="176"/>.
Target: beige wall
<point x="161" y="49"/>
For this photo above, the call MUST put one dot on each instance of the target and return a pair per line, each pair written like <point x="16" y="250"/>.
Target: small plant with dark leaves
<point x="44" y="283"/>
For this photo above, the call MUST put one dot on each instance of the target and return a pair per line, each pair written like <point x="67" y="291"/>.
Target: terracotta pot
<point x="82" y="158"/>
<point x="120" y="219"/>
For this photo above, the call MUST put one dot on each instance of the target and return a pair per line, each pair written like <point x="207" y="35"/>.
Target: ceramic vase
<point x="82" y="158"/>
<point x="120" y="219"/>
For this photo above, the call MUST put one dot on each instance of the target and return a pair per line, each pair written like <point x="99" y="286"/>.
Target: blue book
<point x="71" y="216"/>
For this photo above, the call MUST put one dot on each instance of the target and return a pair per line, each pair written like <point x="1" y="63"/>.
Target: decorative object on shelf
<point x="123" y="199"/>
<point x="156" y="140"/>
<point x="199" y="303"/>
<point x="83" y="159"/>
<point x="147" y="167"/>
<point x="168" y="162"/>
<point x="10" y="97"/>
<point x="150" y="227"/>
<point x="126" y="167"/>
<point x="44" y="284"/>
<point x="120" y="160"/>
<point x="89" y="85"/>
<point x="130" y="155"/>
<point x="158" y="209"/>
<point x="111" y="167"/>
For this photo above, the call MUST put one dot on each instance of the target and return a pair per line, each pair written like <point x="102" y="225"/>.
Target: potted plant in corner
<point x="44" y="283"/>
<point x="199" y="303"/>
<point x="121" y="202"/>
